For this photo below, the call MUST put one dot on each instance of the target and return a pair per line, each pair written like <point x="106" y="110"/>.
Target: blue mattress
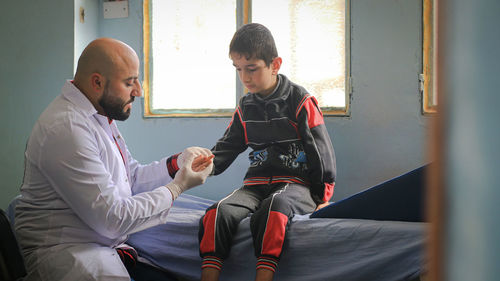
<point x="315" y="248"/>
<point x="368" y="236"/>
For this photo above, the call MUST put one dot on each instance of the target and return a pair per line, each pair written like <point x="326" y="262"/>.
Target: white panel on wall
<point x="115" y="9"/>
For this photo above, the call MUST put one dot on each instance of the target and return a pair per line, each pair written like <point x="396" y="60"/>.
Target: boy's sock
<point x="267" y="263"/>
<point x="212" y="262"/>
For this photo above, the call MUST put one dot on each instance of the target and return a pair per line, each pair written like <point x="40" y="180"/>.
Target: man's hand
<point x="193" y="173"/>
<point x="190" y="152"/>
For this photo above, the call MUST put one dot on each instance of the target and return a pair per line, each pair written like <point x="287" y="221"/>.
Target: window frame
<point x="244" y="16"/>
<point x="428" y="78"/>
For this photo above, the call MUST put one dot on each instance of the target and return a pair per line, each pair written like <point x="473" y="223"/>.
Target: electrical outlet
<point x="115" y="9"/>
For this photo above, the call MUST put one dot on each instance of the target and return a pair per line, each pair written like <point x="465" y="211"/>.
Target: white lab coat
<point x="79" y="198"/>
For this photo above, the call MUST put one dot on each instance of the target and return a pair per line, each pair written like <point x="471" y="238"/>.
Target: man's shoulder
<point x="62" y="115"/>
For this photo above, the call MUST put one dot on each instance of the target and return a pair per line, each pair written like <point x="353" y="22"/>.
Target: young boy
<point x="292" y="165"/>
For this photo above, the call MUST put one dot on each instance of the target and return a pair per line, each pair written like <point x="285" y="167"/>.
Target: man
<point x="83" y="193"/>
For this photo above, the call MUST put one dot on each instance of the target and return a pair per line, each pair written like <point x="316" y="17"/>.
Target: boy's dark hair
<point x="254" y="40"/>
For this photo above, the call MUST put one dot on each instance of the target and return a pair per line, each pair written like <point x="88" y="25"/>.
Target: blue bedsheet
<point x="347" y="248"/>
<point x="315" y="248"/>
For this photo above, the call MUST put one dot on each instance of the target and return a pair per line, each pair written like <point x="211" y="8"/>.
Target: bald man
<point x="82" y="192"/>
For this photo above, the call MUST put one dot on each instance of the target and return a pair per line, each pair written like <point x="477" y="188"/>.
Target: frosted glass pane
<point x="190" y="44"/>
<point x="310" y="37"/>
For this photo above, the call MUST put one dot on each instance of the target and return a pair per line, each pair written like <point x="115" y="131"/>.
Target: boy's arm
<point x="319" y="149"/>
<point x="230" y="145"/>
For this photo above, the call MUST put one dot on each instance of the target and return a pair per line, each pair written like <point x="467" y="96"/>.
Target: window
<point x="428" y="78"/>
<point x="187" y="70"/>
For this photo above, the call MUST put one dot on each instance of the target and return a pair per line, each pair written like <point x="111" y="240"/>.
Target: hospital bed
<point x="377" y="234"/>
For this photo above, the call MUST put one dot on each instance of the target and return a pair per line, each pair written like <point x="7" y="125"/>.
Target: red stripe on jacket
<point x="243" y="124"/>
<point x="329" y="187"/>
<point x="314" y="115"/>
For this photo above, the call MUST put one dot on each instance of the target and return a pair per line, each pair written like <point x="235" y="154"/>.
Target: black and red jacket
<point x="287" y="134"/>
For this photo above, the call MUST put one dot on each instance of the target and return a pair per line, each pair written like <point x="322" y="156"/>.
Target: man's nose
<point x="138" y="89"/>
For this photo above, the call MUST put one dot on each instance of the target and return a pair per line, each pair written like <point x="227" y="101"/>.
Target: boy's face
<point x="255" y="75"/>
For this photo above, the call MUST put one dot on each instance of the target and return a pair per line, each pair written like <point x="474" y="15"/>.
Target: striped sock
<point x="212" y="262"/>
<point x="267" y="263"/>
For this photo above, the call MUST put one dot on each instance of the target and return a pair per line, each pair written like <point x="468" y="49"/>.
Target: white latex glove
<point x="191" y="151"/>
<point x="186" y="178"/>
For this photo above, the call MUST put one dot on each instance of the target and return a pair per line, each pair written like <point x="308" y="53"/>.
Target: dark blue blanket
<point x="398" y="199"/>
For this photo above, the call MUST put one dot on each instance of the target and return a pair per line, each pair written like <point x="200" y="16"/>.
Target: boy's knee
<point x="277" y="203"/>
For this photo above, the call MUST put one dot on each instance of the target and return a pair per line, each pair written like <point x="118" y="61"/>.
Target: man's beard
<point x="113" y="106"/>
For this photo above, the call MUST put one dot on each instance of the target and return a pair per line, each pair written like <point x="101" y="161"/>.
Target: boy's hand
<point x="322" y="205"/>
<point x="201" y="162"/>
<point x="194" y="173"/>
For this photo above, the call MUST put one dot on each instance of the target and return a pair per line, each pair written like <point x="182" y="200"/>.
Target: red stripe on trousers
<point x="207" y="244"/>
<point x="274" y="236"/>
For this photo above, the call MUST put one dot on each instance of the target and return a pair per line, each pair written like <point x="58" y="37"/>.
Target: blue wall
<point x="470" y="76"/>
<point x="36" y="55"/>
<point x="385" y="135"/>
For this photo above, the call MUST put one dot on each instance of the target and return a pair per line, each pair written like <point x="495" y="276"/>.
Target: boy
<point x="292" y="165"/>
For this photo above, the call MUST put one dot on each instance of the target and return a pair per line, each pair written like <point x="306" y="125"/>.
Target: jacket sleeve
<point x="318" y="148"/>
<point x="148" y="177"/>
<point x="232" y="143"/>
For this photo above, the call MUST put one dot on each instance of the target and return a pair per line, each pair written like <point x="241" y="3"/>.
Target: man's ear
<point x="97" y="82"/>
<point x="276" y="64"/>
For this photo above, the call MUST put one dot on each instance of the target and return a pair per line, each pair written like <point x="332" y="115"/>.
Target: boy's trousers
<point x="272" y="206"/>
